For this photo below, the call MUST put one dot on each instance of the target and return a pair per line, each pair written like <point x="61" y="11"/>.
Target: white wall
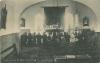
<point x="10" y="19"/>
<point x="95" y="6"/>
<point x="34" y="17"/>
<point x="82" y="11"/>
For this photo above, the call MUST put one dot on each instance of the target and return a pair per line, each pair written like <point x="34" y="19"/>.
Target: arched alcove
<point x="84" y="10"/>
<point x="30" y="13"/>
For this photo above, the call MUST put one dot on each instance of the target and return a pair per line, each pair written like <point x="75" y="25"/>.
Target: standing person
<point x="68" y="38"/>
<point x="34" y="39"/>
<point x="29" y="37"/>
<point x="44" y="39"/>
<point x="39" y="39"/>
<point x="54" y="36"/>
<point x="65" y="35"/>
<point x="23" y="39"/>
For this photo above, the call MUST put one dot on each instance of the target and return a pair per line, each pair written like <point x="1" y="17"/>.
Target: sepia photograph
<point x="49" y="31"/>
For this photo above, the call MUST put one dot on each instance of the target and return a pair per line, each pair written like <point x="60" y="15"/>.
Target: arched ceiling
<point x="89" y="3"/>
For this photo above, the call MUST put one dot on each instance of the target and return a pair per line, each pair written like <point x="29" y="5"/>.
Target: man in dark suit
<point x="24" y="39"/>
<point x="34" y="39"/>
<point x="29" y="39"/>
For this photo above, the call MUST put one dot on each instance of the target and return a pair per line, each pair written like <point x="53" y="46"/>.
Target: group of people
<point x="55" y="39"/>
<point x="82" y="42"/>
<point x="29" y="39"/>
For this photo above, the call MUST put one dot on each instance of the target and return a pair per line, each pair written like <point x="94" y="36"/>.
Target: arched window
<point x="85" y="21"/>
<point x="22" y="22"/>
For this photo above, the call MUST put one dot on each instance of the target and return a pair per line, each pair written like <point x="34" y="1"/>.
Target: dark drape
<point x="54" y="15"/>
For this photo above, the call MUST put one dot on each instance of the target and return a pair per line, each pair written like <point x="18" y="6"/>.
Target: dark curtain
<point x="54" y="15"/>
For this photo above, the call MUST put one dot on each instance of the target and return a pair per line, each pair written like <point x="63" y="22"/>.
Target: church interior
<point x="50" y="31"/>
